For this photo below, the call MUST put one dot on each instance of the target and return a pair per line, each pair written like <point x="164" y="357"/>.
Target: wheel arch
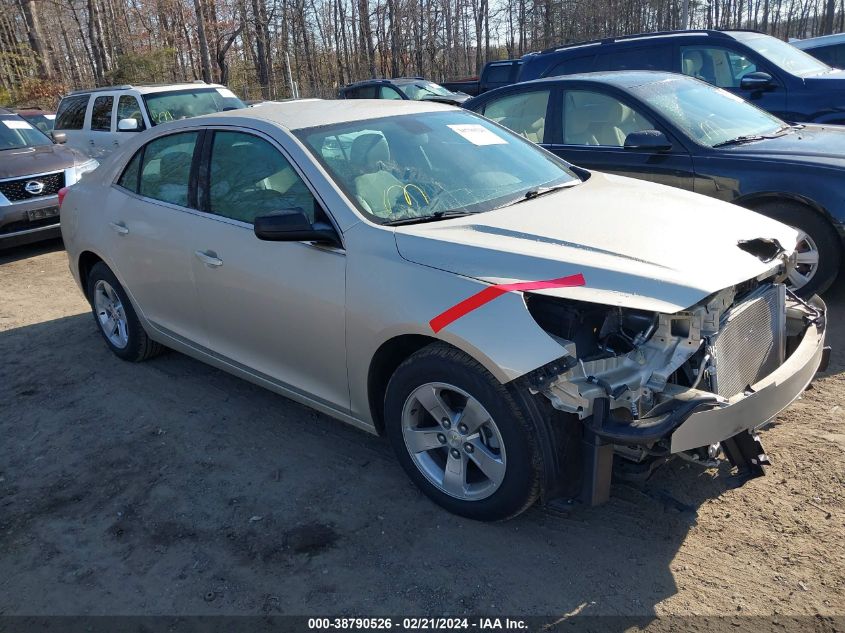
<point x="86" y="261"/>
<point x="383" y="364"/>
<point x="755" y="200"/>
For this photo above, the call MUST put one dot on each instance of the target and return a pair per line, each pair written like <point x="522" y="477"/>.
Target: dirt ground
<point x="172" y="488"/>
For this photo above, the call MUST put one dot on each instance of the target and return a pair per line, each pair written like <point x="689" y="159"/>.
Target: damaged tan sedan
<point x="507" y="320"/>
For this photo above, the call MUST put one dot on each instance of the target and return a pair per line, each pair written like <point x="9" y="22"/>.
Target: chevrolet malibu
<point x="509" y="321"/>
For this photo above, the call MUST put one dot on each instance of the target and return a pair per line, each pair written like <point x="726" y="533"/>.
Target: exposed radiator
<point x="751" y="341"/>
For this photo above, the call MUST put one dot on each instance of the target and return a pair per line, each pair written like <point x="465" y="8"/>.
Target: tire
<point x="509" y="449"/>
<point x="821" y="233"/>
<point x="128" y="341"/>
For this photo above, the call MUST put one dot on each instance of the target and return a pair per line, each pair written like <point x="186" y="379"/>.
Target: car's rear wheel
<point x="461" y="436"/>
<point x="818" y="251"/>
<point x="115" y="317"/>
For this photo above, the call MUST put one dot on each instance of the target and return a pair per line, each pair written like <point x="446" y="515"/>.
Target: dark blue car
<point x="762" y="69"/>
<point x="682" y="132"/>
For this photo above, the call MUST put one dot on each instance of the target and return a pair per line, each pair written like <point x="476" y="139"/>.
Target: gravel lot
<point x="172" y="488"/>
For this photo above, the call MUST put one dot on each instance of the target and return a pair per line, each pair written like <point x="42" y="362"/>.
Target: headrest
<point x="368" y="150"/>
<point x="257" y="160"/>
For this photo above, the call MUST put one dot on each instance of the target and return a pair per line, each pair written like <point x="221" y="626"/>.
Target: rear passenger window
<point x="129" y="178"/>
<point x="248" y="178"/>
<point x="654" y="57"/>
<point x="166" y="171"/>
<point x="71" y="114"/>
<point x="583" y="64"/>
<point x="101" y="114"/>
<point x="524" y="113"/>
<point x="499" y="74"/>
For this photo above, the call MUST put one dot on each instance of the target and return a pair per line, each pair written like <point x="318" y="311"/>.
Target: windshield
<point x="15" y="133"/>
<point x="708" y="114"/>
<point x="786" y="56"/>
<point x="432" y="164"/>
<point x="43" y="122"/>
<point x="422" y="89"/>
<point x="184" y="104"/>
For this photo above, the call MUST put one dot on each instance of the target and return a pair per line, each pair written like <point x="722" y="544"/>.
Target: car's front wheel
<point x="818" y="251"/>
<point x="116" y="318"/>
<point x="461" y="436"/>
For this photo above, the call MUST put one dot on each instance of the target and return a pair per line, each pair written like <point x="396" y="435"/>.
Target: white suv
<point x="98" y="120"/>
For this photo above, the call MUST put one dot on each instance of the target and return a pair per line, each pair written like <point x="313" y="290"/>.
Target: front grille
<point x="751" y="341"/>
<point x="15" y="190"/>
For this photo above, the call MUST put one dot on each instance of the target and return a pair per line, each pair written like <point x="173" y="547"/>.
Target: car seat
<point x="375" y="187"/>
<point x="606" y="118"/>
<point x="577" y="124"/>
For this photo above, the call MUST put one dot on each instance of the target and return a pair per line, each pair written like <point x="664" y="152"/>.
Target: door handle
<point x="209" y="258"/>
<point x="119" y="227"/>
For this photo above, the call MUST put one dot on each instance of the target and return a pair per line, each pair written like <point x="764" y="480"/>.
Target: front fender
<point x="388" y="296"/>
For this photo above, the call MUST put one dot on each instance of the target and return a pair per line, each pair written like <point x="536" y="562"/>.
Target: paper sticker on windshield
<point x="478" y="134"/>
<point x="50" y="116"/>
<point x="18" y="125"/>
<point x="225" y="92"/>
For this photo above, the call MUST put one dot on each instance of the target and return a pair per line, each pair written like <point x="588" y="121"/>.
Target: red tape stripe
<point x="491" y="292"/>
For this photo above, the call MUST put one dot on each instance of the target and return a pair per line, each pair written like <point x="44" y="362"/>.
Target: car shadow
<point x="208" y="495"/>
<point x="159" y="465"/>
<point x="25" y="251"/>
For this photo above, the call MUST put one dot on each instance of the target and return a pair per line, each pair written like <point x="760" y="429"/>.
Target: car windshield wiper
<point x="536" y="192"/>
<point x="437" y="215"/>
<point x="747" y="138"/>
<point x="750" y="138"/>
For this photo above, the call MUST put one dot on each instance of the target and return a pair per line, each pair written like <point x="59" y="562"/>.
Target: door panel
<point x="275" y="307"/>
<point x="592" y="135"/>
<point x="152" y="237"/>
<point x="102" y="136"/>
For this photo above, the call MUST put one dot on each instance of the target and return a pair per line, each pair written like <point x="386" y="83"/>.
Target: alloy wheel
<point x="110" y="314"/>
<point x="453" y="441"/>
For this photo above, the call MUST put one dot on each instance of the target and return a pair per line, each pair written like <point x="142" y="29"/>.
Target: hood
<point x="829" y="79"/>
<point x="820" y="144"/>
<point x="16" y="163"/>
<point x="637" y="244"/>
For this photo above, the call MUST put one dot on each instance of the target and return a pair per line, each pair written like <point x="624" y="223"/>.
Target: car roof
<point x="296" y="115"/>
<point x="822" y="40"/>
<point x="619" y="78"/>
<point x="638" y="37"/>
<point x="147" y="88"/>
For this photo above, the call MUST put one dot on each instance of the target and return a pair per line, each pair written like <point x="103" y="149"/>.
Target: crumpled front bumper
<point x="766" y="398"/>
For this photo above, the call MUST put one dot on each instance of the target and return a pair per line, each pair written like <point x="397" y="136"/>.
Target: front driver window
<point x="129" y="108"/>
<point x="248" y="178"/>
<point x="524" y="113"/>
<point x="593" y="118"/>
<point x="167" y="168"/>
<point x="715" y="65"/>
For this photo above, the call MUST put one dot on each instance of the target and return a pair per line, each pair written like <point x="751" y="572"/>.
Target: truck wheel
<point x="819" y="247"/>
<point x="461" y="436"/>
<point x="116" y="319"/>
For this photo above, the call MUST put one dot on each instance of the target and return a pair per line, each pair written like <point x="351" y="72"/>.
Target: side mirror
<point x="648" y="140"/>
<point x="756" y="81"/>
<point x="127" y="125"/>
<point x="59" y="137"/>
<point x="291" y="225"/>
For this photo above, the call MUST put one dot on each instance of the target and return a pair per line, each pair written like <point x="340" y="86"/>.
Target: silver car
<point x="507" y="320"/>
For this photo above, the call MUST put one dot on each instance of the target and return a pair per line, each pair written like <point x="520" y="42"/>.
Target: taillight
<point x="62" y="193"/>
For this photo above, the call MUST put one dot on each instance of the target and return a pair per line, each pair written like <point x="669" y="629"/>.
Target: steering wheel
<point x="164" y="116"/>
